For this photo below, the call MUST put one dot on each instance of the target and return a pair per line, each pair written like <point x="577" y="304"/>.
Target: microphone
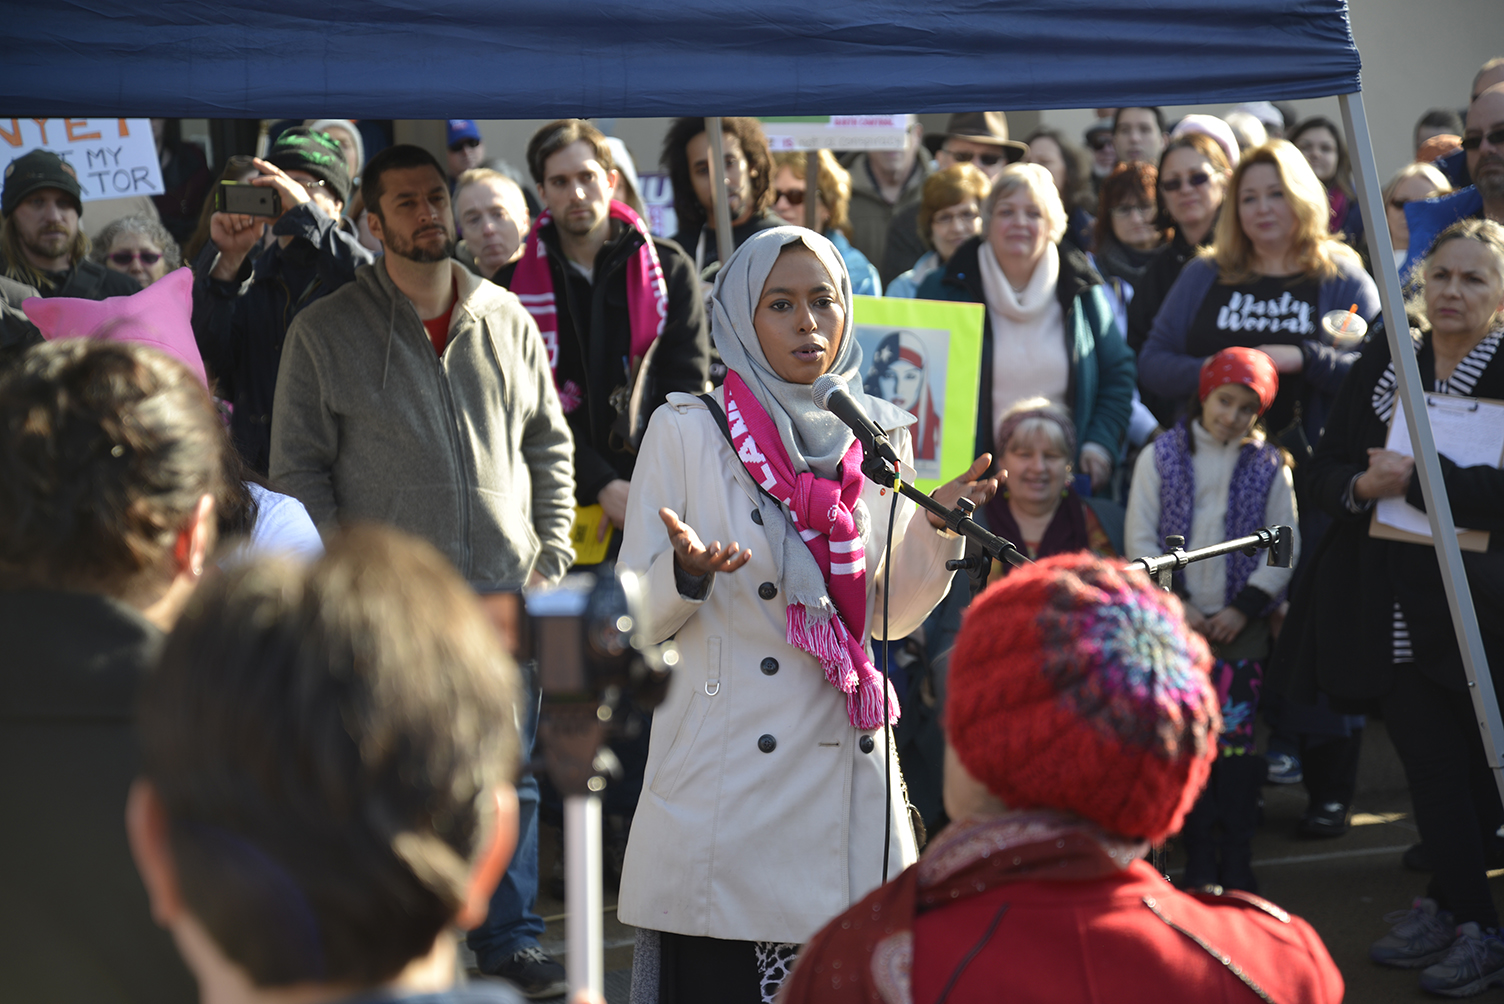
<point x="831" y="395"/>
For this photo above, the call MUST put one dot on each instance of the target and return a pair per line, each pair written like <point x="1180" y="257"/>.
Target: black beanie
<point x="38" y="169"/>
<point x="316" y="153"/>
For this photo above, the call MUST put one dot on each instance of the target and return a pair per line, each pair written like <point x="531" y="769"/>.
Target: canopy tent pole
<point x="1438" y="509"/>
<point x="811" y="189"/>
<point x="718" y="188"/>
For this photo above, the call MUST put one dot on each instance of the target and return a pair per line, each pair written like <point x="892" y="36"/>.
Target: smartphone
<point x="252" y="200"/>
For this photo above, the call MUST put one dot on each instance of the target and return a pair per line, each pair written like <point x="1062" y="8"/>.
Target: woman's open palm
<point x="693" y="556"/>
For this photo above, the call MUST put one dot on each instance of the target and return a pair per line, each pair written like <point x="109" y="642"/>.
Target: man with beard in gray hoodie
<point x="420" y="395"/>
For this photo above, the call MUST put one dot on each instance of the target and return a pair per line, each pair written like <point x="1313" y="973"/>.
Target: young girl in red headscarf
<point x="1214" y="477"/>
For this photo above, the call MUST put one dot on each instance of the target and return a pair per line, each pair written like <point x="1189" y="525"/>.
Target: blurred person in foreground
<point x="138" y="246"/>
<point x="42" y="244"/>
<point x="950" y="214"/>
<point x="325" y="791"/>
<point x="1369" y="623"/>
<point x="833" y="202"/>
<point x="1081" y="725"/>
<point x="110" y="464"/>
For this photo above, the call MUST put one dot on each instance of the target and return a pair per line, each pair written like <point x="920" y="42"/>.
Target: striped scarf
<point x="823" y="513"/>
<point x="647" y="296"/>
<point x="1247" y="497"/>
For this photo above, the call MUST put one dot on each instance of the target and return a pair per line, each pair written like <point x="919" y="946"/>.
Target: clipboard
<point x="1469" y="428"/>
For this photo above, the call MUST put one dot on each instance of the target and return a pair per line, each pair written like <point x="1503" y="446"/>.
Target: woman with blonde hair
<point x="1049" y="329"/>
<point x="832" y="219"/>
<point x="1414" y="182"/>
<point x="1273" y="270"/>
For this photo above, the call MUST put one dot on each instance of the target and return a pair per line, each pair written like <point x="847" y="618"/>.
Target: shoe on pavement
<point x="1422" y="935"/>
<point x="1326" y="820"/>
<point x="534" y="972"/>
<point x="1284" y="768"/>
<point x="1474" y="963"/>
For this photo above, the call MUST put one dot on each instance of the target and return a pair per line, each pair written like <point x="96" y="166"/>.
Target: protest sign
<point x="926" y="357"/>
<point x="113" y="158"/>
<point x="835" y="132"/>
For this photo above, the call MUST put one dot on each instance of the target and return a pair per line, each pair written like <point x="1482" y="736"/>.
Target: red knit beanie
<point x="1077" y="686"/>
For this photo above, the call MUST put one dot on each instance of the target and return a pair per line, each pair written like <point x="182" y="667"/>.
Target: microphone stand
<point x="957" y="520"/>
<point x="1278" y="540"/>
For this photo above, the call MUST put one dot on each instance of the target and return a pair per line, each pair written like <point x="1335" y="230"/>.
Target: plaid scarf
<point x="1247" y="496"/>
<point x="647" y="296"/>
<point x="824" y="515"/>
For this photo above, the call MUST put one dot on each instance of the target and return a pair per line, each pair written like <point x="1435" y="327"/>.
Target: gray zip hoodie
<point x="468" y="449"/>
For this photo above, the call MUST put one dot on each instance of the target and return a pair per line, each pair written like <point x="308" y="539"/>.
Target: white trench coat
<point x="730" y="841"/>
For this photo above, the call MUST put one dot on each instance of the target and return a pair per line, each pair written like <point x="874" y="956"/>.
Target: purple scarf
<point x="1247" y="497"/>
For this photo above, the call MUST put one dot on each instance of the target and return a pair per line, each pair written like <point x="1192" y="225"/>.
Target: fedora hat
<point x="990" y="128"/>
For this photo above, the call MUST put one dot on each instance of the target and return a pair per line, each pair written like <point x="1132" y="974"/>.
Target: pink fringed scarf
<point x="822" y="511"/>
<point x="647" y="296"/>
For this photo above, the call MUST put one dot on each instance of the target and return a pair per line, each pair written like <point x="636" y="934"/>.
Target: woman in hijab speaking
<point x="763" y="815"/>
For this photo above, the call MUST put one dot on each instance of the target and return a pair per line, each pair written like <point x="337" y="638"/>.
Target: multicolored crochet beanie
<point x="1077" y="686"/>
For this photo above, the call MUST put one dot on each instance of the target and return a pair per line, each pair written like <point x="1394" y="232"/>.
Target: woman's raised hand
<point x="693" y="556"/>
<point x="971" y="485"/>
<point x="1388" y="475"/>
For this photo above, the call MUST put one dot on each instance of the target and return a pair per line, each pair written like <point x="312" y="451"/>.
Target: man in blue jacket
<point x="243" y="302"/>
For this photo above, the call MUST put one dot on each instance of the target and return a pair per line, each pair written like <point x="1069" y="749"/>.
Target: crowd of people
<point x="255" y="467"/>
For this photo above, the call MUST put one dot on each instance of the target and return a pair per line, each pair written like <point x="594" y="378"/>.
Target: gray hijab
<point x="815" y="439"/>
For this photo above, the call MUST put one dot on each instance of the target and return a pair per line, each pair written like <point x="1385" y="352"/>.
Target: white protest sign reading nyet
<point x="113" y="158"/>
<point x="835" y="132"/>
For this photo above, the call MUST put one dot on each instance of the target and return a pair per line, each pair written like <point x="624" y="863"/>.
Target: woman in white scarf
<point x="761" y="816"/>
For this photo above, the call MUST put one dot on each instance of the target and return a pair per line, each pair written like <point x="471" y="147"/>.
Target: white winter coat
<point x="729" y="841"/>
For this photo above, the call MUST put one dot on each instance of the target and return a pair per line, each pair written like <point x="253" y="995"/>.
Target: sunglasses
<point x="967" y="156"/>
<point x="1099" y="144"/>
<point x="126" y="257"/>
<point x="1123" y="212"/>
<point x="463" y="144"/>
<point x="1195" y="180"/>
<point x="794" y="195"/>
<point x="1495" y="137"/>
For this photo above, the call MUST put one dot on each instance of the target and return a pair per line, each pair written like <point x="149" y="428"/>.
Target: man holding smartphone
<point x="244" y="300"/>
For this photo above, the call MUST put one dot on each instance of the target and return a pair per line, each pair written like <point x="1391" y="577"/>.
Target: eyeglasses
<point x="1123" y="212"/>
<point x="464" y="144"/>
<point x="1399" y="204"/>
<point x="148" y="258"/>
<point x="963" y="216"/>
<point x="1195" y="180"/>
<point x="794" y="195"/>
<point x="1495" y="137"/>
<point x="967" y="156"/>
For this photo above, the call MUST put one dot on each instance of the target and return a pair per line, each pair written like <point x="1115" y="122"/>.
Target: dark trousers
<point x="1456" y="801"/>
<point x="1218" y="831"/>
<point x="692" y="970"/>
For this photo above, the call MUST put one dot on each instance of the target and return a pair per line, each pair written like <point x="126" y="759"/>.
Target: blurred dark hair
<point x="239" y="167"/>
<point x="1077" y="192"/>
<point x="692" y="216"/>
<point x="1128" y="179"/>
<point x="401" y="157"/>
<point x="325" y="741"/>
<point x="105" y="450"/>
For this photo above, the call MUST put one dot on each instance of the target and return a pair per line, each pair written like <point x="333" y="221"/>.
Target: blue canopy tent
<point x="536" y="59"/>
<point x="548" y="58"/>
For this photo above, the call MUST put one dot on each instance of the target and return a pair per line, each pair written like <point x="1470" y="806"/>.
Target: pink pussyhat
<point x="161" y="316"/>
